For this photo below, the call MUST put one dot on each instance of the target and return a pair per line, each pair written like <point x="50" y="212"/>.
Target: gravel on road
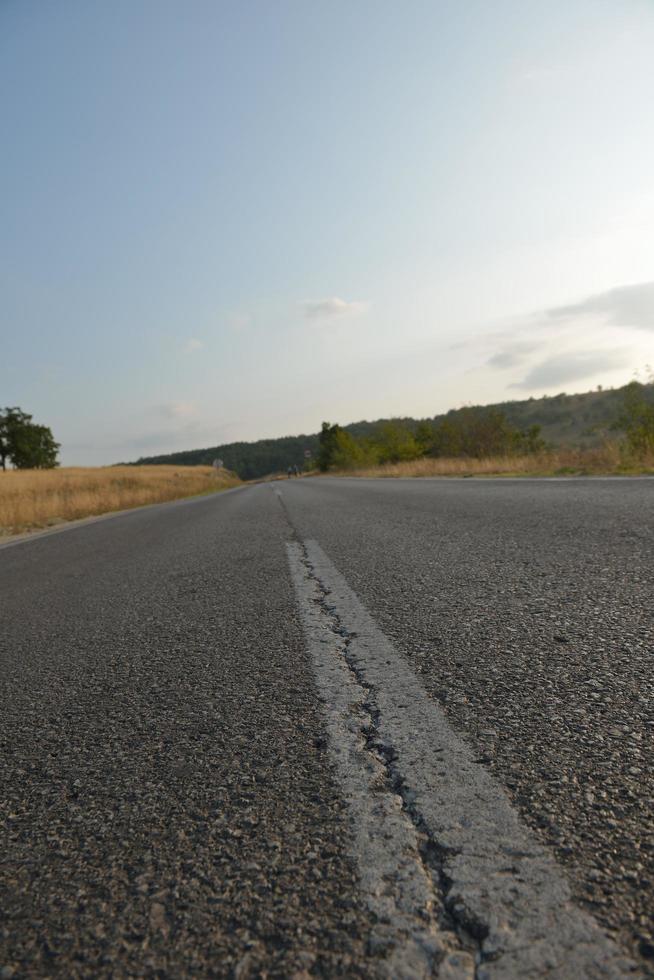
<point x="527" y="608"/>
<point x="166" y="802"/>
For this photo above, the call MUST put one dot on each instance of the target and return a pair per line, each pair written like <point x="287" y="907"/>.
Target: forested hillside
<point x="565" y="420"/>
<point x="249" y="460"/>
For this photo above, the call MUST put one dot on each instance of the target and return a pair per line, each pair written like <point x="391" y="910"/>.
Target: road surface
<point x="333" y="728"/>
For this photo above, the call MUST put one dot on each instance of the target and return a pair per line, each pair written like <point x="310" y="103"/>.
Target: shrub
<point x="637" y="421"/>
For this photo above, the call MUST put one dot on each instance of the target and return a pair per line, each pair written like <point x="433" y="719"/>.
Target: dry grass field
<point x="32" y="499"/>
<point x="605" y="460"/>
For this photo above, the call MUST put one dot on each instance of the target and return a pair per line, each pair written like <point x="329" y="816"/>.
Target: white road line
<point x="443" y="858"/>
<point x="396" y="883"/>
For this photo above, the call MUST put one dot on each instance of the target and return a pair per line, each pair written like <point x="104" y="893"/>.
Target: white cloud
<point x="621" y="308"/>
<point x="512" y="353"/>
<point x="193" y="344"/>
<point x="624" y="306"/>
<point x="324" y="309"/>
<point x="572" y="366"/>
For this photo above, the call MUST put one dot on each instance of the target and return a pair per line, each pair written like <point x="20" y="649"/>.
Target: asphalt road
<point x="170" y="799"/>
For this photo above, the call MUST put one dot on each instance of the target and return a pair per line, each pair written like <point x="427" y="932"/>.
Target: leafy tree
<point x="481" y="433"/>
<point x="530" y="440"/>
<point x="424" y="436"/>
<point x="26" y="445"/>
<point x="35" y="448"/>
<point x="350" y="453"/>
<point x="12" y="420"/>
<point x="637" y="420"/>
<point x="340" y="450"/>
<point x="328" y="439"/>
<point x="469" y="432"/>
<point x="395" y="442"/>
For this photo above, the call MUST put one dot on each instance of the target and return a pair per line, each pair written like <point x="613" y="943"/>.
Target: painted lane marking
<point x="460" y="886"/>
<point x="395" y="880"/>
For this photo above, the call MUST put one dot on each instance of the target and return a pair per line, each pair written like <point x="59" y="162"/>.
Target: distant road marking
<point x="460" y="887"/>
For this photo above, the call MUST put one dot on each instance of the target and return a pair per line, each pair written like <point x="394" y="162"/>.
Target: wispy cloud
<point x="178" y="410"/>
<point x="624" y="306"/>
<point x="572" y="366"/>
<point x="324" y="309"/>
<point x="193" y="344"/>
<point x="545" y="332"/>
<point x="512" y="354"/>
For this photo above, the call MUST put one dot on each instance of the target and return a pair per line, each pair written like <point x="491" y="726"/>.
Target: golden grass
<point x="603" y="461"/>
<point x="39" y="498"/>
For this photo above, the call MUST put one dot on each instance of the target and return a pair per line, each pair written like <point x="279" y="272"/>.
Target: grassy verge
<point x="606" y="460"/>
<point x="31" y="499"/>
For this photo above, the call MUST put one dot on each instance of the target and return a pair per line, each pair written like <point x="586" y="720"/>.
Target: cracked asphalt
<point x="527" y="608"/>
<point x="167" y="802"/>
<point x="166" y="806"/>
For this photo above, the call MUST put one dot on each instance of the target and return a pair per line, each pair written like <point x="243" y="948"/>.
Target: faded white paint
<point x="501" y="885"/>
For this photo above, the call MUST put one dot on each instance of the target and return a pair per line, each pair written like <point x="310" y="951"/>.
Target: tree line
<point x="469" y="432"/>
<point x="583" y="420"/>
<point x="24" y="444"/>
<point x="250" y="460"/>
<point x="473" y="433"/>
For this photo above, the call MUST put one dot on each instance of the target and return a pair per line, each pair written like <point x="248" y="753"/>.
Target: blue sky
<point x="227" y="220"/>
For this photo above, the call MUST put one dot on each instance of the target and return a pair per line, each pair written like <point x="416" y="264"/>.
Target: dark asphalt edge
<point x="491" y="478"/>
<point x="112" y="515"/>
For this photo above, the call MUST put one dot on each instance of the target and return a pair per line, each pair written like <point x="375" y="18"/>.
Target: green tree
<point x="395" y="442"/>
<point x="35" y="448"/>
<point x="480" y="433"/>
<point x="424" y="436"/>
<point x="351" y="453"/>
<point x="26" y="445"/>
<point x="11" y="422"/>
<point x="340" y="450"/>
<point x="530" y="440"/>
<point x="328" y="444"/>
<point x="637" y="420"/>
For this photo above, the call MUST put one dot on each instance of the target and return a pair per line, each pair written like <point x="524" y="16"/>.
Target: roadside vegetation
<point x="582" y="421"/>
<point x="607" y="461"/>
<point x="24" y="444"/>
<point x="471" y="441"/>
<point x="31" y="499"/>
<point x="482" y="441"/>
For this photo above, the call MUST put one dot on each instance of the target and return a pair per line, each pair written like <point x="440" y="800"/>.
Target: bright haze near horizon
<point x="233" y="220"/>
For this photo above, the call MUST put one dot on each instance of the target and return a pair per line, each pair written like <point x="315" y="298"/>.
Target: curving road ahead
<point x="333" y="728"/>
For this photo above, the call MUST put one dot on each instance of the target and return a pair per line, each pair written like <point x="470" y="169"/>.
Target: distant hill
<point x="250" y="460"/>
<point x="573" y="420"/>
